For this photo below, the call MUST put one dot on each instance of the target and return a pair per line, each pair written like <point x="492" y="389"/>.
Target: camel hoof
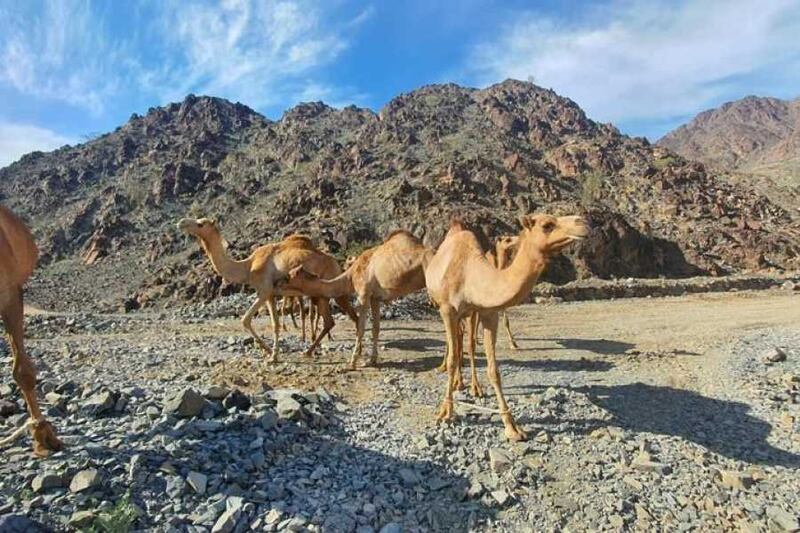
<point x="512" y="430"/>
<point x="372" y="361"/>
<point x="442" y="368"/>
<point x="476" y="391"/>
<point x="44" y="439"/>
<point x="446" y="412"/>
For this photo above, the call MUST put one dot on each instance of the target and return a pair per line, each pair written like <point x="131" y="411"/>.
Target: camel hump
<point x="398" y="232"/>
<point x="296" y="240"/>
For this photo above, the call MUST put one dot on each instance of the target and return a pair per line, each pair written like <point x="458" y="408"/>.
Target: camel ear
<point x="527" y="221"/>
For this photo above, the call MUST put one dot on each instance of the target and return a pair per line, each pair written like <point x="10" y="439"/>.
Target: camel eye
<point x="549" y="227"/>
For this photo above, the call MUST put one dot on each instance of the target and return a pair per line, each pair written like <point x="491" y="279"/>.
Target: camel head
<point x="296" y="278"/>
<point x="203" y="228"/>
<point x="549" y="234"/>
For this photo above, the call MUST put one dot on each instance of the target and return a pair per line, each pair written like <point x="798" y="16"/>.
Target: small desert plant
<point x="119" y="519"/>
<point x="591" y="187"/>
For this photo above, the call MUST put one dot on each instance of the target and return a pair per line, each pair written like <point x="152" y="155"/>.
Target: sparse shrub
<point x="591" y="187"/>
<point x="120" y="519"/>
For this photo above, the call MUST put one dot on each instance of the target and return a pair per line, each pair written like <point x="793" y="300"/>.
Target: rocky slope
<point x="104" y="211"/>
<point x="754" y="135"/>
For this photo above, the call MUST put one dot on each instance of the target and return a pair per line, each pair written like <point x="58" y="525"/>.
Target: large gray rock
<point x="101" y="402"/>
<point x="197" y="481"/>
<point x="290" y="409"/>
<point x="186" y="403"/>
<point x="45" y="481"/>
<point x="500" y="460"/>
<point x="784" y="520"/>
<point x="85" y="479"/>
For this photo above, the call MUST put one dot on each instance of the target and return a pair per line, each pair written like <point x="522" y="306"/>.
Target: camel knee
<point x="24" y="374"/>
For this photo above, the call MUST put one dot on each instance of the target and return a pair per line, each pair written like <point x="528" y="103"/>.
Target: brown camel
<point x="461" y="281"/>
<point x="388" y="271"/>
<point x="263" y="269"/>
<point x="18" y="256"/>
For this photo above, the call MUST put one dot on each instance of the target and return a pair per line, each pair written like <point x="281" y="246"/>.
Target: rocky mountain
<point x="104" y="211"/>
<point x="752" y="136"/>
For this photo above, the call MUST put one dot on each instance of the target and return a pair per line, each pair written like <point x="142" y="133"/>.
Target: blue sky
<point x="69" y="69"/>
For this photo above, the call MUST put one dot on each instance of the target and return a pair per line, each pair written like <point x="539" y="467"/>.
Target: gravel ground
<point x="173" y="423"/>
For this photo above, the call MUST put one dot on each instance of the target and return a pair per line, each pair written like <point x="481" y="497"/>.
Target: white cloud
<point x="260" y="52"/>
<point x="60" y="53"/>
<point x="637" y="60"/>
<point x="246" y="50"/>
<point x="19" y="139"/>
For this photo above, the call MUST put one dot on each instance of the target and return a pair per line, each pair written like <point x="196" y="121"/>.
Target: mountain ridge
<point x="348" y="176"/>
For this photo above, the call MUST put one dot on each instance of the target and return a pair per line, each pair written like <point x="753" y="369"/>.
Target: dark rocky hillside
<point x="757" y="139"/>
<point x="104" y="212"/>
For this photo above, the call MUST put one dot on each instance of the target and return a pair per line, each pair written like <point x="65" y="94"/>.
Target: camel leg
<point x="273" y="316"/>
<point x="303" y="319"/>
<point x="247" y="319"/>
<point x="360" y="327"/>
<point x="324" y="310"/>
<point x="446" y="411"/>
<point x="291" y="312"/>
<point x="313" y="315"/>
<point x="375" y="308"/>
<point x="475" y="387"/>
<point x="490" y="322"/>
<point x="511" y="341"/>
<point x="44" y="436"/>
<point x="459" y="356"/>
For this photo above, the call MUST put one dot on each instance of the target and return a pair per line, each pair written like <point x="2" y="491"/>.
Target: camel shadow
<point x="286" y="452"/>
<point x="559" y="365"/>
<point x="417" y="364"/>
<point x="721" y="426"/>
<point x="416" y="345"/>
<point x="598" y="346"/>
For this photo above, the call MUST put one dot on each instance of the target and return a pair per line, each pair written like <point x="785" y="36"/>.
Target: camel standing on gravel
<point x="18" y="256"/>
<point x="388" y="271"/>
<point x="263" y="269"/>
<point x="462" y="281"/>
<point x="500" y="257"/>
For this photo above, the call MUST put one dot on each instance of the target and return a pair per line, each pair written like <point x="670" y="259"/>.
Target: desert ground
<point x="670" y="414"/>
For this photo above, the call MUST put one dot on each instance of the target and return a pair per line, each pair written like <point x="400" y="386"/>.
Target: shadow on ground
<point x="597" y="346"/>
<point x="723" y="427"/>
<point x="347" y="475"/>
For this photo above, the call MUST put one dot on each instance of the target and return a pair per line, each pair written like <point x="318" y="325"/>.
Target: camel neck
<point x="341" y="285"/>
<point x="511" y="285"/>
<point x="231" y="271"/>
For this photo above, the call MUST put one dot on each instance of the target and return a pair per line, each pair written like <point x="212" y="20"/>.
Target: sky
<point x="70" y="69"/>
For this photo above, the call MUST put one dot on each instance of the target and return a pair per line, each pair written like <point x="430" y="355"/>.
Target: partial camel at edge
<point x="461" y="281"/>
<point x="263" y="269"/>
<point x="18" y="257"/>
<point x="383" y="273"/>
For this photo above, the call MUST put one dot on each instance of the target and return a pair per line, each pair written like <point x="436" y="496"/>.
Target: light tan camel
<point x="461" y="281"/>
<point x="499" y="257"/>
<point x="263" y="269"/>
<point x="18" y="256"/>
<point x="388" y="271"/>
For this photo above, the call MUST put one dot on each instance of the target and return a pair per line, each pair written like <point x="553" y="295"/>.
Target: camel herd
<point x="468" y="285"/>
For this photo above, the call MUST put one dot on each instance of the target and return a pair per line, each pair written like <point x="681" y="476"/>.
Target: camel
<point x="262" y="270"/>
<point x="462" y="281"/>
<point x="383" y="273"/>
<point x="18" y="256"/>
<point x="499" y="257"/>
